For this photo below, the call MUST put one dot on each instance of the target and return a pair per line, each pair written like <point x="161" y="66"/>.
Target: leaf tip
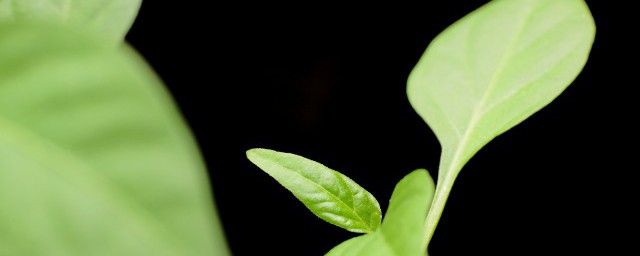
<point x="256" y="152"/>
<point x="423" y="173"/>
<point x="251" y="152"/>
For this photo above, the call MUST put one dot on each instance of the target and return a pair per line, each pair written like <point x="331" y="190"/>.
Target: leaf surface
<point x="403" y="226"/>
<point x="108" y="18"/>
<point x="493" y="69"/>
<point x="329" y="194"/>
<point x="496" y="67"/>
<point x="94" y="157"/>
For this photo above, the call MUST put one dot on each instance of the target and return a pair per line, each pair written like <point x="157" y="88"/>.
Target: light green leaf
<point x="373" y="244"/>
<point x="354" y="246"/>
<point x="94" y="158"/>
<point x="402" y="229"/>
<point x="327" y="193"/>
<point x="404" y="221"/>
<point x="493" y="69"/>
<point x="108" y="18"/>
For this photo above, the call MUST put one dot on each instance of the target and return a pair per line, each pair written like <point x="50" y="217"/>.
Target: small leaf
<point x="327" y="193"/>
<point x="109" y="18"/>
<point x="403" y="226"/>
<point x="94" y="157"/>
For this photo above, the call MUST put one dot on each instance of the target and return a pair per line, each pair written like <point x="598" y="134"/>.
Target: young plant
<point x="479" y="78"/>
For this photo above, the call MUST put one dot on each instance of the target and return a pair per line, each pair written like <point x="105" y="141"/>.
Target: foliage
<point x="96" y="160"/>
<point x="480" y="77"/>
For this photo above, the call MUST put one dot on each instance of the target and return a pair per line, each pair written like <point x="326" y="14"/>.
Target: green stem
<point x="443" y="188"/>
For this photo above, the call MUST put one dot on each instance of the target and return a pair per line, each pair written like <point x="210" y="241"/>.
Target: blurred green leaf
<point x="108" y="18"/>
<point x="327" y="193"/>
<point x="491" y="70"/>
<point x="94" y="157"/>
<point x="402" y="230"/>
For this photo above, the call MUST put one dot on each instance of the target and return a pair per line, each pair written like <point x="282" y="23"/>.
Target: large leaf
<point x="493" y="69"/>
<point x="403" y="227"/>
<point x="109" y="18"/>
<point x="94" y="157"/>
<point x="328" y="194"/>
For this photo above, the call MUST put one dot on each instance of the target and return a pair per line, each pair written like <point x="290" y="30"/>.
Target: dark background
<point x="327" y="82"/>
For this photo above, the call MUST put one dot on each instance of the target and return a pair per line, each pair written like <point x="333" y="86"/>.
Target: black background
<point x="327" y="82"/>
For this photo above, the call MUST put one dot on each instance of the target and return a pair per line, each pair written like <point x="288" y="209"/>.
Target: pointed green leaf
<point x="403" y="226"/>
<point x="94" y="157"/>
<point x="496" y="67"/>
<point x="327" y="193"/>
<point x="109" y="18"/>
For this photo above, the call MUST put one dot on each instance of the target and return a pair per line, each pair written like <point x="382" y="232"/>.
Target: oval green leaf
<point x="329" y="194"/>
<point x="493" y="69"/>
<point x="94" y="157"/>
<point x="402" y="230"/>
<point x="111" y="19"/>
<point x="496" y="67"/>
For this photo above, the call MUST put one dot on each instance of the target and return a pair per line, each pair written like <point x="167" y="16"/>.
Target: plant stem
<point x="443" y="188"/>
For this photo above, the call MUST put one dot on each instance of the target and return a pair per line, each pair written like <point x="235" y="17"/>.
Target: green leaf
<point x="109" y="18"/>
<point x="404" y="221"/>
<point x="327" y="193"/>
<point x="355" y="246"/>
<point x="403" y="227"/>
<point x="493" y="69"/>
<point x="94" y="157"/>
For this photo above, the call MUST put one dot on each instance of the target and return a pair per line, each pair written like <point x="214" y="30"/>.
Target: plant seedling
<point x="96" y="160"/>
<point x="479" y="78"/>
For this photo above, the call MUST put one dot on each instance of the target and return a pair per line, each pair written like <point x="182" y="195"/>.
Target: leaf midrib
<point x="478" y="112"/>
<point x="359" y="218"/>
